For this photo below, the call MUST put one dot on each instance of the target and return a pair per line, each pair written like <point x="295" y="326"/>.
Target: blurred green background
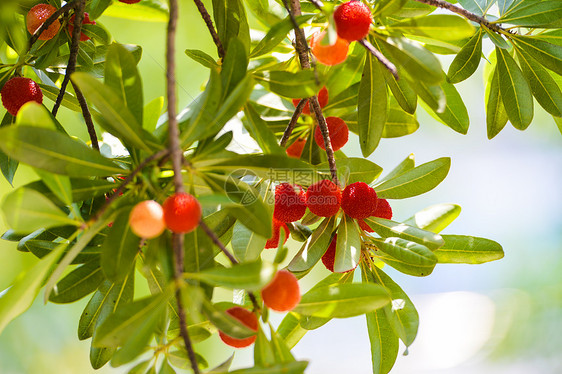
<point x="501" y="317"/>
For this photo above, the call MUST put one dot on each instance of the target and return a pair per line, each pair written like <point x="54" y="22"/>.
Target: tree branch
<point x="293" y="122"/>
<point x="177" y="157"/>
<point x="87" y="117"/>
<point x="210" y="26"/>
<point x="49" y="21"/>
<point x="315" y="105"/>
<point x="379" y="56"/>
<point x="463" y="12"/>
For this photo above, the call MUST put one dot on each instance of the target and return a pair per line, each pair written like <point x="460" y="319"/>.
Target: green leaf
<point x="105" y="301"/>
<point x="19" y="297"/>
<point x="348" y="246"/>
<point x="542" y="85"/>
<point x="454" y="114"/>
<point x="276" y="34"/>
<point x="118" y="327"/>
<point x="258" y="130"/>
<point x="343" y="300"/>
<point x="496" y="116"/>
<point x="390" y="229"/>
<point x="433" y="95"/>
<point x="54" y="152"/>
<point x="202" y="58"/>
<point x="225" y="322"/>
<point x="263" y="351"/>
<point x="314" y="248"/>
<point x="372" y="106"/>
<point x="234" y="66"/>
<point x="290" y="329"/>
<point x="356" y="169"/>
<point x="405" y="256"/>
<point x="58" y="184"/>
<point x="293" y="85"/>
<point x="399" y="123"/>
<point x="147" y="11"/>
<point x="114" y="116"/>
<point x="151" y="114"/>
<point x="542" y="14"/>
<point x="26" y="210"/>
<point x="497" y="39"/>
<point x="460" y="249"/>
<point x="280" y="350"/>
<point x="436" y="26"/>
<point x="435" y="218"/>
<point x="78" y="283"/>
<point x="249" y="276"/>
<point x="120" y="248"/>
<point x="296" y="367"/>
<point x="68" y="101"/>
<point x="416" y="181"/>
<point x="479" y="7"/>
<point x="467" y="60"/>
<point x="230" y="20"/>
<point x="515" y="92"/>
<point x="415" y="59"/>
<point x="122" y="76"/>
<point x="547" y="54"/>
<point x="246" y="244"/>
<point x="407" y="164"/>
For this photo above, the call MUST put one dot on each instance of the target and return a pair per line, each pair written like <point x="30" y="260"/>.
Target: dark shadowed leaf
<point x="78" y="283"/>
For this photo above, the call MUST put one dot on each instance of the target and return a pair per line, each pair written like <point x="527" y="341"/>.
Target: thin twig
<point x="87" y="117"/>
<point x="176" y="156"/>
<point x="301" y="45"/>
<point x="210" y="26"/>
<point x="215" y="239"/>
<point x="49" y="21"/>
<point x="126" y="181"/>
<point x="465" y="13"/>
<point x="74" y="46"/>
<point x="379" y="56"/>
<point x="315" y="105"/>
<point x="293" y="122"/>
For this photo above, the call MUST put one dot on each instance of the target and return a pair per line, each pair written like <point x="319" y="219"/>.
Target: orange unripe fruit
<point x="247" y="318"/>
<point x="282" y="293"/>
<point x="322" y="100"/>
<point x="147" y="219"/>
<point x="295" y="149"/>
<point x="182" y="213"/>
<point x="338" y="131"/>
<point x="37" y="16"/>
<point x="353" y="20"/>
<point x="85" y="21"/>
<point x="328" y="54"/>
<point x="18" y="91"/>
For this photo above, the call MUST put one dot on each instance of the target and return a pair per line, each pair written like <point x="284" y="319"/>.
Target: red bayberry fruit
<point x="147" y="219"/>
<point x="295" y="149"/>
<point x="290" y="204"/>
<point x="353" y="20"/>
<point x="182" y="212"/>
<point x="358" y="200"/>
<point x="322" y="100"/>
<point x="85" y="21"/>
<point x="130" y="1"/>
<point x="282" y="293"/>
<point x="37" y="16"/>
<point x="18" y="91"/>
<point x="338" y="130"/>
<point x="273" y="242"/>
<point x="247" y="318"/>
<point x="328" y="54"/>
<point x="382" y="210"/>
<point x="323" y="198"/>
<point x="330" y="256"/>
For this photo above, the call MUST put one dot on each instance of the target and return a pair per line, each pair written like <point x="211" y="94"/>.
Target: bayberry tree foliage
<point x="190" y="215"/>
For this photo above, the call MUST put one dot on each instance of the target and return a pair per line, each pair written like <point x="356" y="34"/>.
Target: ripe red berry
<point x="273" y="242"/>
<point x="323" y="198"/>
<point x="353" y="20"/>
<point x="330" y="256"/>
<point x="147" y="219"/>
<point x="130" y="1"/>
<point x="358" y="200"/>
<point x="182" y="212"/>
<point x="338" y="131"/>
<point x="247" y="318"/>
<point x="18" y="91"/>
<point x="328" y="54"/>
<point x="322" y="100"/>
<point x="295" y="149"/>
<point x="37" y="16"/>
<point x="282" y="293"/>
<point x="290" y="203"/>
<point x="85" y="21"/>
<point x="383" y="209"/>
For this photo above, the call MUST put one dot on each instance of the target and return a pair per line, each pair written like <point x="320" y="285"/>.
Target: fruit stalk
<point x="210" y="26"/>
<point x="176" y="156"/>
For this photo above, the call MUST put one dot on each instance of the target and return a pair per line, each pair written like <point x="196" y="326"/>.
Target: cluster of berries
<point x="337" y="129"/>
<point x="352" y="20"/>
<point x="180" y="213"/>
<point x="324" y="199"/>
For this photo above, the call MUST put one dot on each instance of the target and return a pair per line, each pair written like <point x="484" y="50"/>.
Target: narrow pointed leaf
<point x="547" y="54"/>
<point x="390" y="229"/>
<point x="435" y="218"/>
<point x="406" y="256"/>
<point x="78" y="283"/>
<point x="467" y="60"/>
<point x="348" y="246"/>
<point x="461" y="249"/>
<point x="248" y="276"/>
<point x="496" y="116"/>
<point x="225" y="322"/>
<point x="314" y="248"/>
